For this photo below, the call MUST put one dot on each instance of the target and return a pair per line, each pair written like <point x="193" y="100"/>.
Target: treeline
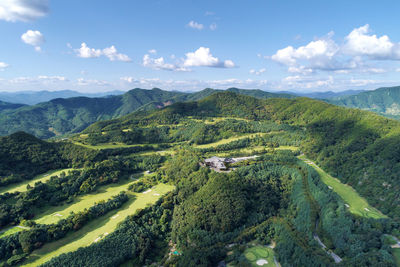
<point x="137" y="239"/>
<point x="22" y="156"/>
<point x="315" y="209"/>
<point x="18" y="206"/>
<point x="16" y="247"/>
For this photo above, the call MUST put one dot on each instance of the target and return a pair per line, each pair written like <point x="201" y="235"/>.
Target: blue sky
<point x="102" y="45"/>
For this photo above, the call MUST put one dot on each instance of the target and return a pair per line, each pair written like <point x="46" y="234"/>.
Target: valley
<point x="131" y="197"/>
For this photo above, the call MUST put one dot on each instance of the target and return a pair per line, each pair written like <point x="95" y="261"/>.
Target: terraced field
<point x="21" y="187"/>
<point x="356" y="204"/>
<point x="99" y="228"/>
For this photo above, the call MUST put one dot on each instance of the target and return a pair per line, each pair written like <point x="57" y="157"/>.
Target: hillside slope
<point x="10" y="106"/>
<point x="61" y="116"/>
<point x="71" y="115"/>
<point x="385" y="101"/>
<point x="359" y="147"/>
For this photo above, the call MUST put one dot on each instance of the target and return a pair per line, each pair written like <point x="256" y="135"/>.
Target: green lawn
<point x="228" y="140"/>
<point x="106" y="146"/>
<point x="259" y="253"/>
<point x="11" y="230"/>
<point x="97" y="229"/>
<point x="396" y="253"/>
<point x="357" y="204"/>
<point x="21" y="187"/>
<point x="54" y="214"/>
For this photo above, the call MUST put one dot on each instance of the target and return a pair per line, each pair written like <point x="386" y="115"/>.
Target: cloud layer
<point x="324" y="54"/>
<point x="23" y="10"/>
<point x="202" y="57"/>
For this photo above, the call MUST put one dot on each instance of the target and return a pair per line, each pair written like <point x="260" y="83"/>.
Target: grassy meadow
<point x="97" y="229"/>
<point x="357" y="204"/>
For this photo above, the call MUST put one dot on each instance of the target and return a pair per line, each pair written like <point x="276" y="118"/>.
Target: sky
<point x="280" y="45"/>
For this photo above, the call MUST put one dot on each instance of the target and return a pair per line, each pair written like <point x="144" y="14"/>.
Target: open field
<point x="12" y="230"/>
<point x="106" y="146"/>
<point x="214" y="120"/>
<point x="356" y="204"/>
<point x="97" y="229"/>
<point x="260" y="256"/>
<point x="54" y="214"/>
<point x="228" y="140"/>
<point x="21" y="187"/>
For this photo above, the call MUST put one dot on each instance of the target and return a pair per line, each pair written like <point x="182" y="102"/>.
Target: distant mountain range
<point x="327" y="94"/>
<point x="62" y="116"/>
<point x="385" y="101"/>
<point x="35" y="97"/>
<point x="70" y="115"/>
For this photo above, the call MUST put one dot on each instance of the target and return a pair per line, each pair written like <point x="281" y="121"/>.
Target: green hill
<point x="354" y="145"/>
<point x="9" y="106"/>
<point x="71" y="115"/>
<point x="61" y="116"/>
<point x="385" y="101"/>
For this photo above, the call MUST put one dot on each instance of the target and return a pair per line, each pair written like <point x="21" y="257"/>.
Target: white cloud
<point x="87" y="52"/>
<point x="209" y="13"/>
<point x="87" y="82"/>
<point x="113" y="55"/>
<point x="257" y="72"/>
<point x="110" y="52"/>
<point x="307" y="82"/>
<point x="213" y="26"/>
<point x="300" y="69"/>
<point x="203" y="57"/>
<point x="359" y="47"/>
<point x="3" y="65"/>
<point x="34" y="38"/>
<point x="317" y="51"/>
<point x="52" y="78"/>
<point x="160" y="64"/>
<point x="358" y="42"/>
<point x="195" y="25"/>
<point x="152" y="51"/>
<point x="362" y="82"/>
<point x="23" y="10"/>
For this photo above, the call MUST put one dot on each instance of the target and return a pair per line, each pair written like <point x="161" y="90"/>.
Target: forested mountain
<point x="329" y="94"/>
<point x="70" y="115"/>
<point x="35" y="97"/>
<point x="60" y="116"/>
<point x="385" y="101"/>
<point x="273" y="204"/>
<point x="354" y="145"/>
<point x="11" y="106"/>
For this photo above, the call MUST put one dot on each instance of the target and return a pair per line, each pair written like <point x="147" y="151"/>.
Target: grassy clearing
<point x="260" y="256"/>
<point x="214" y="120"/>
<point x="357" y="204"/>
<point x="54" y="214"/>
<point x="396" y="254"/>
<point x="291" y="148"/>
<point x="10" y="231"/>
<point x="228" y="140"/>
<point x="97" y="229"/>
<point x="105" y="146"/>
<point x="21" y="187"/>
